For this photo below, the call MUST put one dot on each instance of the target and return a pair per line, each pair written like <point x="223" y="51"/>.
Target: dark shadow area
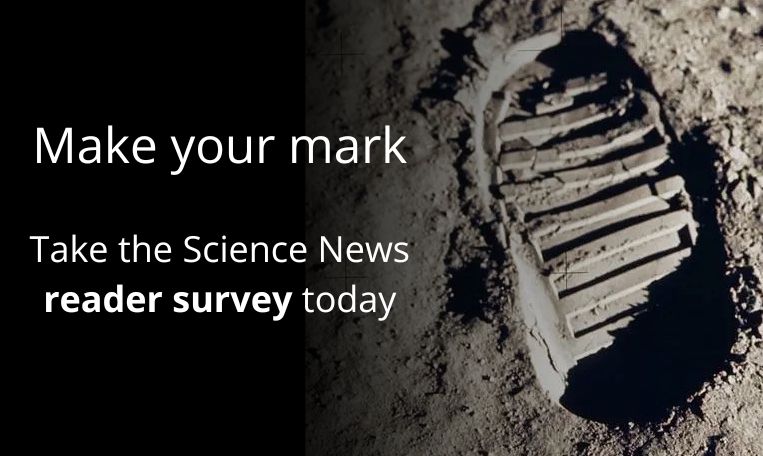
<point x="684" y="336"/>
<point x="584" y="53"/>
<point x="469" y="290"/>
<point x="451" y="69"/>
<point x="668" y="351"/>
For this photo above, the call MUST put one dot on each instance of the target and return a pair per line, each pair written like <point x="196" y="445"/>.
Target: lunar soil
<point x="449" y="371"/>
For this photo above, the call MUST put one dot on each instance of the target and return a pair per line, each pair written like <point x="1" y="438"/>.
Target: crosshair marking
<point x="346" y="276"/>
<point x="341" y="53"/>
<point x="566" y="273"/>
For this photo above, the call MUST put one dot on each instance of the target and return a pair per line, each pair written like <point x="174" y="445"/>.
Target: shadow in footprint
<point x="682" y="339"/>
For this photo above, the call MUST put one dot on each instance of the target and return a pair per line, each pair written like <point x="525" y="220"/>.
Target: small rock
<point x="724" y="13"/>
<point x="739" y="156"/>
<point x="731" y="176"/>
<point x="741" y="196"/>
<point x="757" y="191"/>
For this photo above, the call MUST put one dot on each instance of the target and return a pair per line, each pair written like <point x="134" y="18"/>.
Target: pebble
<point x="740" y="195"/>
<point x="757" y="191"/>
<point x="739" y="156"/>
<point x="731" y="176"/>
<point x="724" y="13"/>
